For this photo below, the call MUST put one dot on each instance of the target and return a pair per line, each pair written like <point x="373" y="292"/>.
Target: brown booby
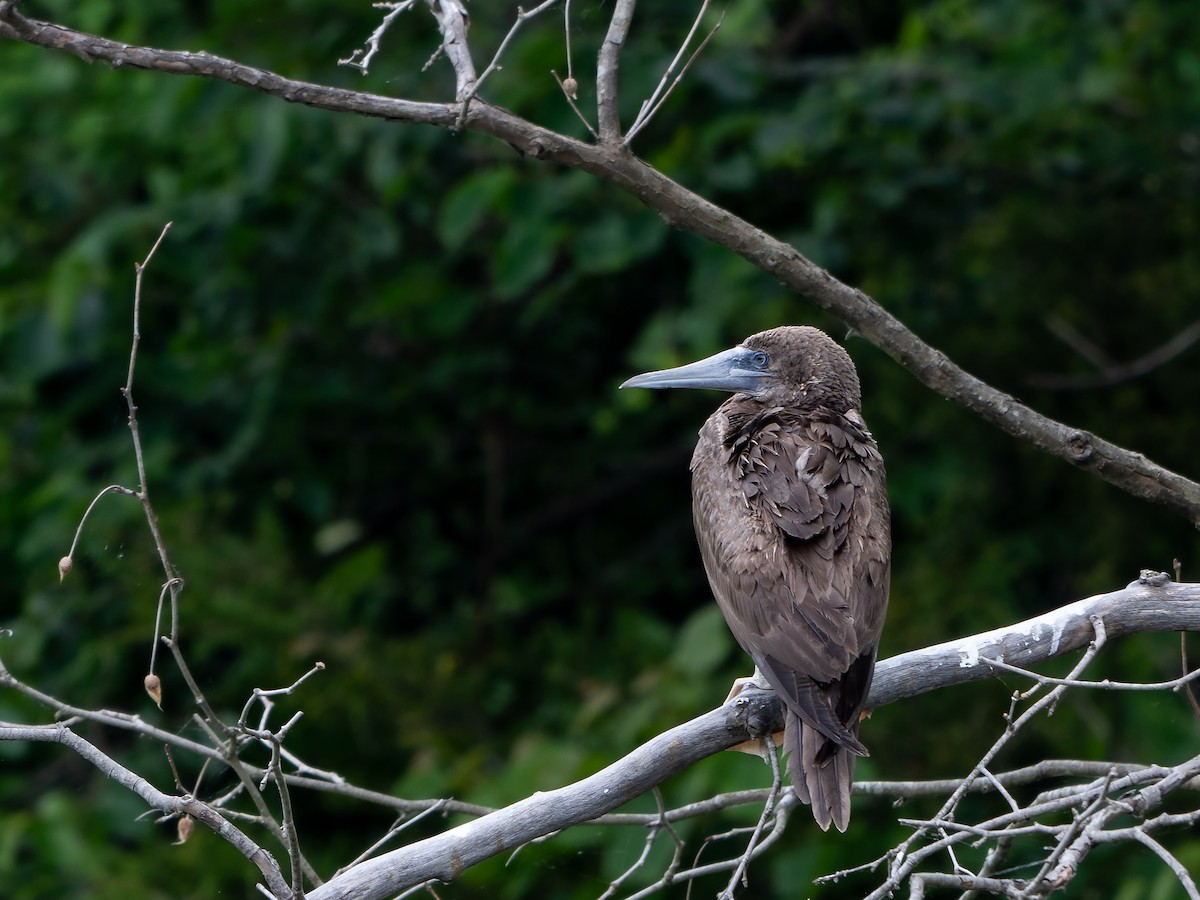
<point x="790" y="506"/>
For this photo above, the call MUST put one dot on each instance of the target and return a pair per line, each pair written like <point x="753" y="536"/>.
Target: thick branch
<point x="608" y="64"/>
<point x="445" y="856"/>
<point x="681" y="208"/>
<point x="1140" y="607"/>
<point x="453" y="23"/>
<point x="1151" y="604"/>
<point x="1137" y="608"/>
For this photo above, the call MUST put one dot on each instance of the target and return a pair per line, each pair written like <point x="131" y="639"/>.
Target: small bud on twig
<point x="184" y="830"/>
<point x="153" y="685"/>
<point x="571" y="87"/>
<point x="64" y="568"/>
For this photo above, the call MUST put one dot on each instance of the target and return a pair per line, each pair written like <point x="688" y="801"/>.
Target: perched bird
<point x="790" y="505"/>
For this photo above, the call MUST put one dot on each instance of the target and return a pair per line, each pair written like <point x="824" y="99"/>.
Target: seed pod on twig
<point x="64" y="568"/>
<point x="153" y="685"/>
<point x="184" y="830"/>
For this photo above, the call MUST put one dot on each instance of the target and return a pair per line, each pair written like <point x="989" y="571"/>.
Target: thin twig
<point x="651" y="105"/>
<point x="396" y="830"/>
<point x="1177" y="868"/>
<point x="127" y="391"/>
<point x="291" y="833"/>
<point x="361" y="58"/>
<point x="651" y="836"/>
<point x="494" y="65"/>
<point x="567" y="36"/>
<point x="1050" y="768"/>
<point x="739" y="874"/>
<point x="1106" y="684"/>
<point x="260" y="695"/>
<point x="1111" y="374"/>
<point x="111" y="489"/>
<point x="571" y="100"/>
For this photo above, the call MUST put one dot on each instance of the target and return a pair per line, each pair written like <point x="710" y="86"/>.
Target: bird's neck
<point x="746" y="418"/>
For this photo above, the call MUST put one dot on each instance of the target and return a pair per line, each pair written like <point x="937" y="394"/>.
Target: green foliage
<point x="377" y="387"/>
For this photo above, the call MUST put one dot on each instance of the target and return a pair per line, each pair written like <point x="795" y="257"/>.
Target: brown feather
<point x="791" y="514"/>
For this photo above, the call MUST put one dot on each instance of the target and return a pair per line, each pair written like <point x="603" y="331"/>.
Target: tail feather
<point x="821" y="772"/>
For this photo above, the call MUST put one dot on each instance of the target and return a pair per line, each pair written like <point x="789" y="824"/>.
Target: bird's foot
<point x="757" y="681"/>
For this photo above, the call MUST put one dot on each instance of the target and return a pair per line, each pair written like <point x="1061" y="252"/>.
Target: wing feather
<point x="787" y="514"/>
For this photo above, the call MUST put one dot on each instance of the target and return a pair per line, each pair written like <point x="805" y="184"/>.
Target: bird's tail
<point x="821" y="772"/>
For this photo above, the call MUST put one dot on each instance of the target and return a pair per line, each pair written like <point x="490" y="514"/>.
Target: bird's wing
<point x="796" y="563"/>
<point x="799" y="486"/>
<point x="791" y="517"/>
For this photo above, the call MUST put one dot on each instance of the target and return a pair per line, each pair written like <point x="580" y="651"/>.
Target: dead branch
<point x="1110" y="373"/>
<point x="607" y="69"/>
<point x="1148" y="606"/>
<point x="155" y="799"/>
<point x="1145" y="605"/>
<point x="361" y="58"/>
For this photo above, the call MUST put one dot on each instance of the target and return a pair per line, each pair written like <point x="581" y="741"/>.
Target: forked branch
<point x="155" y="799"/>
<point x="1151" y="604"/>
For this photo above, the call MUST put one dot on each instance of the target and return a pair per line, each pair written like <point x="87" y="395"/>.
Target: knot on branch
<point x="1136" y="803"/>
<point x="757" y="712"/>
<point x="1079" y="446"/>
<point x="1151" y="578"/>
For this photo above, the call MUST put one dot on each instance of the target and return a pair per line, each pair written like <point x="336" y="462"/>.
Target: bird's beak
<point x="729" y="370"/>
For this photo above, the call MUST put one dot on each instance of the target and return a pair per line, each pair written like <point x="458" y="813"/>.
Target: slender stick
<point x="652" y="103"/>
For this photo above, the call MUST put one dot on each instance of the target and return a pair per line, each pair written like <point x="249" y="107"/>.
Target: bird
<point x="789" y="502"/>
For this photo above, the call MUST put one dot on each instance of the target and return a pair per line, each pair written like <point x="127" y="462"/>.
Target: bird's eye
<point x="759" y="360"/>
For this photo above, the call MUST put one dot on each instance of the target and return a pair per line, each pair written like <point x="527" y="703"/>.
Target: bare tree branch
<point x="651" y="104"/>
<point x="361" y="58"/>
<point x="445" y="856"/>
<point x="453" y="22"/>
<point x="1111" y="373"/>
<point x="1143" y="606"/>
<point x="679" y="207"/>
<point x="1150" y="604"/>
<point x="156" y="799"/>
<point x="607" y="70"/>
<point x="1034" y="774"/>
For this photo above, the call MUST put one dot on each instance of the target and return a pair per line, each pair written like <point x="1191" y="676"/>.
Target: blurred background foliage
<point x="377" y="388"/>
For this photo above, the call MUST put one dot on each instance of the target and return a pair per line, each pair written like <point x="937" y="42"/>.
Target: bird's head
<point x="793" y="366"/>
